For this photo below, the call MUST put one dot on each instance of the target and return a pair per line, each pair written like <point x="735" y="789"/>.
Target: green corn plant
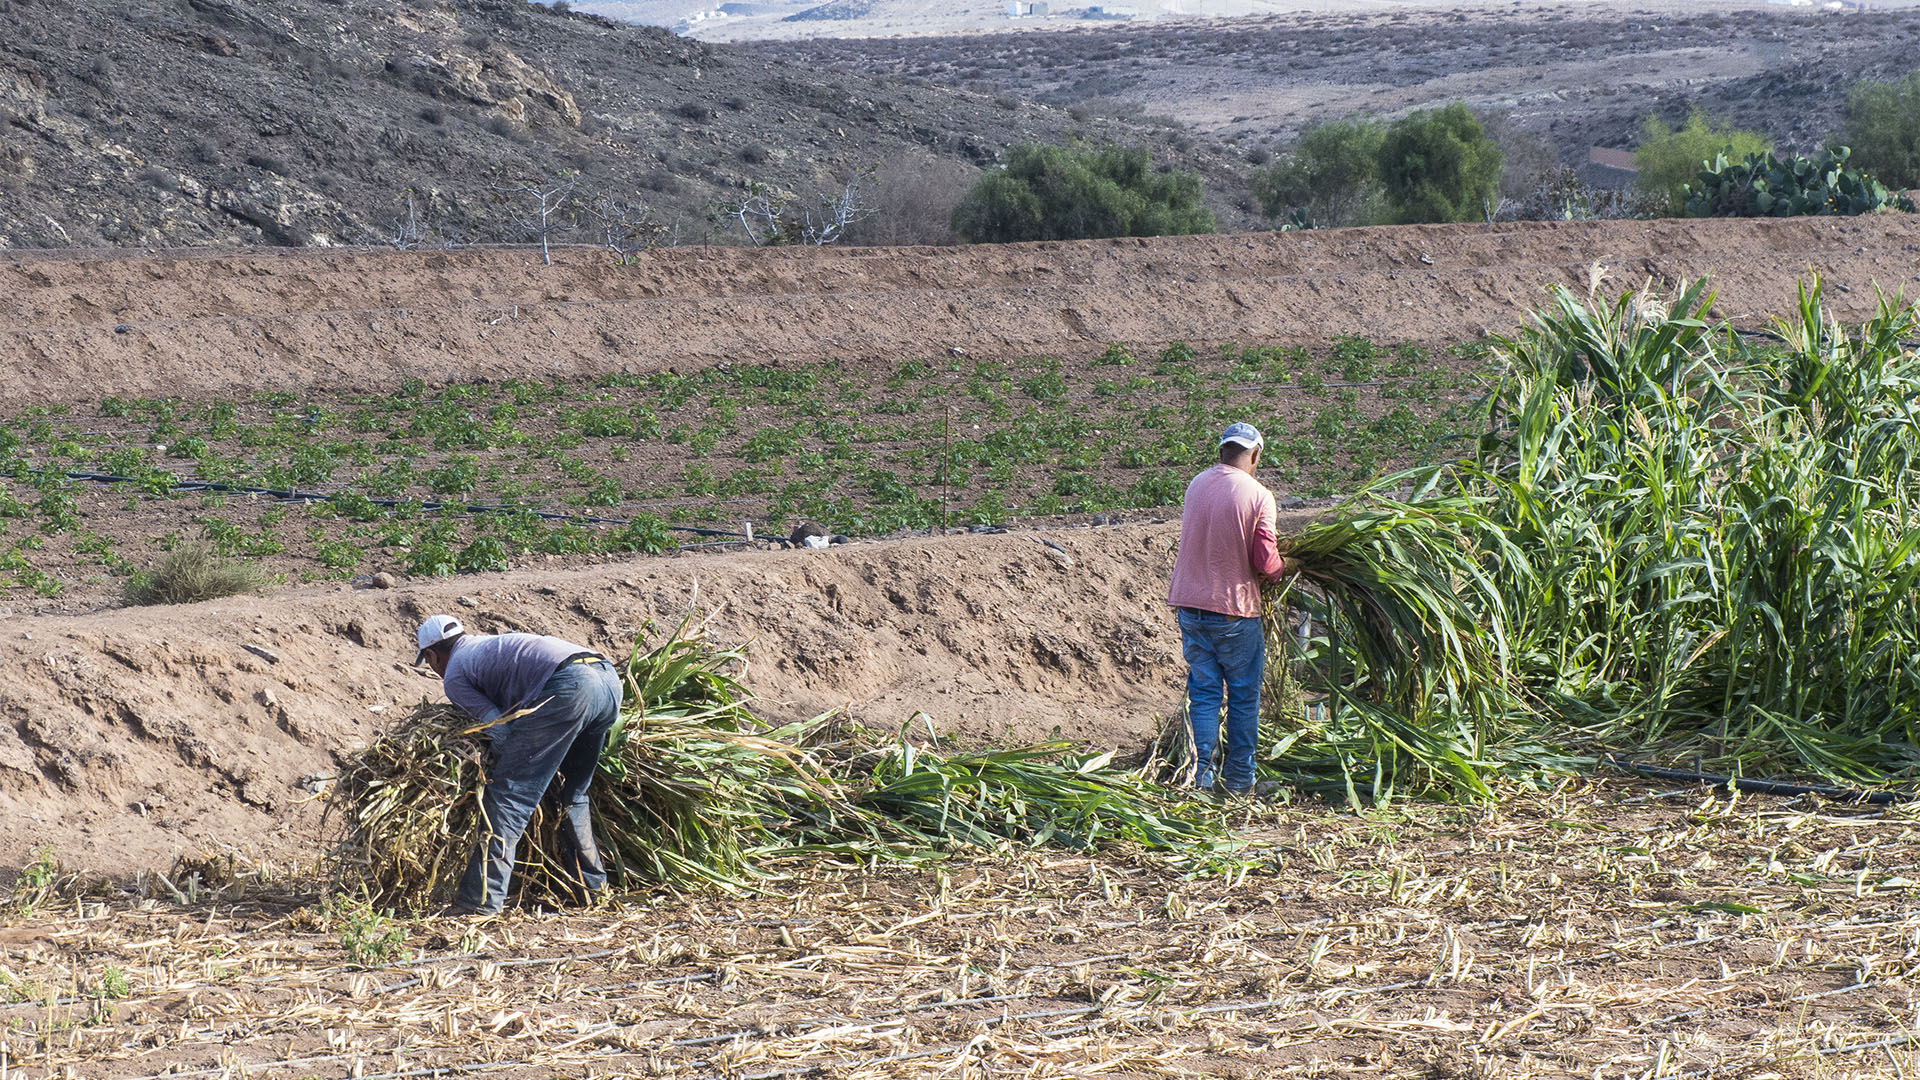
<point x="1669" y="541"/>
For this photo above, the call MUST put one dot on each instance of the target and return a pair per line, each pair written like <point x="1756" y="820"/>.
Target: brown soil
<point x="75" y="327"/>
<point x="133" y="735"/>
<point x="136" y="735"/>
<point x="1591" y="932"/>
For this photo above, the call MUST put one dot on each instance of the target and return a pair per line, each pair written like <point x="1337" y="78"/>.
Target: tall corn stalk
<point x="1668" y="542"/>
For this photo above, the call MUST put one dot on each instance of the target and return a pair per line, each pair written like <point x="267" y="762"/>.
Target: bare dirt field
<point x="88" y="324"/>
<point x="1594" y="932"/>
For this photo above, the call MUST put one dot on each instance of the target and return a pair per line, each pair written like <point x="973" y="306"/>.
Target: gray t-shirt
<point x="490" y="674"/>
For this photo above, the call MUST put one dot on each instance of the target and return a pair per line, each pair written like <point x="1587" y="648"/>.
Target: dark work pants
<point x="561" y="738"/>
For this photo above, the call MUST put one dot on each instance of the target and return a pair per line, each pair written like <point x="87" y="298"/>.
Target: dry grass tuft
<point x="191" y="573"/>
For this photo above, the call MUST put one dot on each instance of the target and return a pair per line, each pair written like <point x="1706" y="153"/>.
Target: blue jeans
<point x="562" y="737"/>
<point x="1226" y="657"/>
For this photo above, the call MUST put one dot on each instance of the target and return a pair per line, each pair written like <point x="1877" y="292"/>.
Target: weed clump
<point x="191" y="573"/>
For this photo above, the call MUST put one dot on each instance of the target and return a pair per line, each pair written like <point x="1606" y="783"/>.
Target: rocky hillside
<point x="310" y="122"/>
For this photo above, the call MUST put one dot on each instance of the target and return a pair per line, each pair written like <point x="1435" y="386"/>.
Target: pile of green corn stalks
<point x="694" y="792"/>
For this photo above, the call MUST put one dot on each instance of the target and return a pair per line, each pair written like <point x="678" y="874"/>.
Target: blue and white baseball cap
<point x="1242" y="435"/>
<point x="435" y="630"/>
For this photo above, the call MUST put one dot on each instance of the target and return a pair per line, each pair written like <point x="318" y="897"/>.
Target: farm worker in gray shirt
<point x="548" y="705"/>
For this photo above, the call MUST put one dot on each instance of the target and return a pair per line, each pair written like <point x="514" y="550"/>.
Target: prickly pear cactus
<point x="1765" y="186"/>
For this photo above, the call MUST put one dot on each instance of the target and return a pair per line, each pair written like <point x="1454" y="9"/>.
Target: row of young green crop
<point x="920" y="445"/>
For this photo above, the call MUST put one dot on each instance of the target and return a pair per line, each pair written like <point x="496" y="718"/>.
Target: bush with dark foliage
<point x="1439" y="166"/>
<point x="1063" y="193"/>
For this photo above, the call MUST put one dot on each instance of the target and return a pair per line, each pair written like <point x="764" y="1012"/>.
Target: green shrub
<point x="1763" y="186"/>
<point x="191" y="573"/>
<point x="1063" y="193"/>
<point x="1668" y="159"/>
<point x="431" y="553"/>
<point x="1439" y="166"/>
<point x="338" y="554"/>
<point x="1331" y="177"/>
<point x="1883" y="127"/>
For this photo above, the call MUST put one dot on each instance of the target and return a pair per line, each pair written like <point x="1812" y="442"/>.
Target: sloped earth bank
<point x="132" y="736"/>
<point x="85" y="325"/>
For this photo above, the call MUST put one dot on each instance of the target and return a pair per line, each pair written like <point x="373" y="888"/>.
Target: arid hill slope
<point x="132" y="123"/>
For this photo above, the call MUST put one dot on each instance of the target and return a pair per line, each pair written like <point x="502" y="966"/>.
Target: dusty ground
<point x="78" y="326"/>
<point x="1574" y="74"/>
<point x="132" y="736"/>
<point x="1595" y="932"/>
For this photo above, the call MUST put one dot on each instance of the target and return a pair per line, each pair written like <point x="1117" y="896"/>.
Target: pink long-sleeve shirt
<point x="1227" y="544"/>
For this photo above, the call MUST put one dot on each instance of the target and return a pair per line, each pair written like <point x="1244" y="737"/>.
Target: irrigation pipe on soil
<point x="295" y="495"/>
<point x="1761" y="787"/>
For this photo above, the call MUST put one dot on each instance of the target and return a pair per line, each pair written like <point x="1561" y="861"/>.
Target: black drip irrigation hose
<point x="1761" y="787"/>
<point x="294" y="495"/>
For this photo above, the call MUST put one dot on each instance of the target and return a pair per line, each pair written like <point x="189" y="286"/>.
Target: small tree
<point x="1668" y="159"/>
<point x="913" y="194"/>
<point x="627" y="226"/>
<point x="540" y="211"/>
<point x="1332" y="174"/>
<point x="765" y="214"/>
<point x="761" y="214"/>
<point x="1064" y="193"/>
<point x="1439" y="166"/>
<point x="1883" y="128"/>
<point x="832" y="215"/>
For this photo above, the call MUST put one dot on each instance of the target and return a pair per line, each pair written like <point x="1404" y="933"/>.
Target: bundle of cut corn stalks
<point x="693" y="792"/>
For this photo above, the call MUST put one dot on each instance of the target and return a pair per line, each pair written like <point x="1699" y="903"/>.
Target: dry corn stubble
<point x="1549" y="936"/>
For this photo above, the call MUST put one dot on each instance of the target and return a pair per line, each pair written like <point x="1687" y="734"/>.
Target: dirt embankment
<point x="79" y="326"/>
<point x="130" y="736"/>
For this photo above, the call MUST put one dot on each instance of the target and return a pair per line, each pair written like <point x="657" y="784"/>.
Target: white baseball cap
<point x="435" y="630"/>
<point x="1242" y="435"/>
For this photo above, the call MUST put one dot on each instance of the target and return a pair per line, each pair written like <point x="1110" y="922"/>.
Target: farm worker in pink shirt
<point x="1227" y="549"/>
